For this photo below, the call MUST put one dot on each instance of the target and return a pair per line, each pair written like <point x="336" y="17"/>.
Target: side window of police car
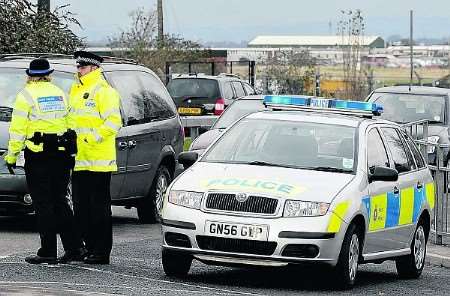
<point x="157" y="103"/>
<point x="401" y="154"/>
<point x="376" y="151"/>
<point x="415" y="151"/>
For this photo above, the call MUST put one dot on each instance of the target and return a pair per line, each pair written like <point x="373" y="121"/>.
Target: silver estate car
<point x="331" y="186"/>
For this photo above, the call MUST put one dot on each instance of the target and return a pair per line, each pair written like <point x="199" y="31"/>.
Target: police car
<point x="312" y="180"/>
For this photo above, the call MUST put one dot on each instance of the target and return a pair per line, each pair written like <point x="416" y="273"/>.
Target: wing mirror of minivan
<point x="379" y="173"/>
<point x="187" y="158"/>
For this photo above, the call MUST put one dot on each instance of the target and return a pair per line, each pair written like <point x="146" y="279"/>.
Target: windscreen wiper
<point x="329" y="169"/>
<point x="264" y="163"/>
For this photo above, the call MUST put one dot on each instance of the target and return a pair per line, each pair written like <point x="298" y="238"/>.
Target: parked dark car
<point x="147" y="146"/>
<point x="198" y="94"/>
<point x="239" y="108"/>
<point x="402" y="105"/>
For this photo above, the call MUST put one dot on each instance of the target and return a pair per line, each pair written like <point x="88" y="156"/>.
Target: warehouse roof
<point x="294" y="41"/>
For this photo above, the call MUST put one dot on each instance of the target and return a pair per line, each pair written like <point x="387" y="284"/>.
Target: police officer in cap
<point x="95" y="110"/>
<point x="40" y="125"/>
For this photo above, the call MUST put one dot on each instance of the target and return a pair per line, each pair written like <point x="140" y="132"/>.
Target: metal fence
<point x="436" y="154"/>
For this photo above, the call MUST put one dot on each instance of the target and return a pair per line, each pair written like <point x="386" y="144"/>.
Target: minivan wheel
<point x="411" y="266"/>
<point x="149" y="207"/>
<point x="347" y="267"/>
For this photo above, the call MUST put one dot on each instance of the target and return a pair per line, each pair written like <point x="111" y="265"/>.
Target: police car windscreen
<point x="12" y="80"/>
<point x="404" y="108"/>
<point x="288" y="144"/>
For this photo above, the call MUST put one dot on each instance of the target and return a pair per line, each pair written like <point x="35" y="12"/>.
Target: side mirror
<point x="383" y="174"/>
<point x="187" y="158"/>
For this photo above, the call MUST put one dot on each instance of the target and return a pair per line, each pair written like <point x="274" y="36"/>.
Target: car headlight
<point x="187" y="199"/>
<point x="297" y="208"/>
<point x="432" y="140"/>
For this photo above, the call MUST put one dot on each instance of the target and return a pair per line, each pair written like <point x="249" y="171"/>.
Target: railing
<point x="436" y="154"/>
<point x="195" y="123"/>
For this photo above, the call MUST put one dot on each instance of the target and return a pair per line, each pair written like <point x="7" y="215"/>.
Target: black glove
<point x="11" y="167"/>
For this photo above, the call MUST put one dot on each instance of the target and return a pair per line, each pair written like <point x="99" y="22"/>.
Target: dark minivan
<point x="147" y="146"/>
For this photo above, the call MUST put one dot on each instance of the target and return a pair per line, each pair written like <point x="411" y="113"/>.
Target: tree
<point x="23" y="29"/>
<point x="288" y="72"/>
<point x="351" y="29"/>
<point x="141" y="43"/>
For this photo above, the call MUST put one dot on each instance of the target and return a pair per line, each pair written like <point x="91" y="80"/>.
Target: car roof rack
<point x="17" y="56"/>
<point x="323" y="105"/>
<point x="229" y="75"/>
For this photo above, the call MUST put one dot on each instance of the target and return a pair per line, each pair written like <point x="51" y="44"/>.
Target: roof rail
<point x="229" y="75"/>
<point x="27" y="55"/>
<point x="17" y="56"/>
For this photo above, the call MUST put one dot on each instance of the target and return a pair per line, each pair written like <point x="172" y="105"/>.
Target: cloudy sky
<point x="237" y="20"/>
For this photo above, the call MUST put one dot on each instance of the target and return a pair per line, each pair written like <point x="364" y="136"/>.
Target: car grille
<point x="254" y="204"/>
<point x="232" y="245"/>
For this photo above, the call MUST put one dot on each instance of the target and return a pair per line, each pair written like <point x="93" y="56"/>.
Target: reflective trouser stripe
<point x="337" y="217"/>
<point x="92" y="163"/>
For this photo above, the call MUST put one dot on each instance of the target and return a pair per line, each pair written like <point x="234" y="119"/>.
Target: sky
<point x="242" y="20"/>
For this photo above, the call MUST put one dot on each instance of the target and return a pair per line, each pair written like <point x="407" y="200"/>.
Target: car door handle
<point x="132" y="144"/>
<point x="123" y="145"/>
<point x="419" y="185"/>
<point x="396" y="190"/>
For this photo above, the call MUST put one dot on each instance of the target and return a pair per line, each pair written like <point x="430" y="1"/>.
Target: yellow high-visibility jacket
<point x="39" y="107"/>
<point x="95" y="113"/>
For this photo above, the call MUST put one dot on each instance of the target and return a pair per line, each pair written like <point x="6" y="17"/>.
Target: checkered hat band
<point x="89" y="61"/>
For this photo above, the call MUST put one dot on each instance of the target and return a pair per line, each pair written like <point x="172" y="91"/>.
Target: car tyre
<point x="346" y="269"/>
<point x="149" y="207"/>
<point x="411" y="266"/>
<point x="176" y="264"/>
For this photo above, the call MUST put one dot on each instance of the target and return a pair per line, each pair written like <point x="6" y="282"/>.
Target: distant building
<point x="313" y="42"/>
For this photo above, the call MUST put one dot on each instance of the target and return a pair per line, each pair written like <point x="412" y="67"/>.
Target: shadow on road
<point x="287" y="279"/>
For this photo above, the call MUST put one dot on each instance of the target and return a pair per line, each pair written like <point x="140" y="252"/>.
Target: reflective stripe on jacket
<point x="39" y="107"/>
<point x="95" y="114"/>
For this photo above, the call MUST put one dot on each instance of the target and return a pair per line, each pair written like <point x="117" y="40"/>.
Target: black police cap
<point x="39" y="67"/>
<point x="85" y="58"/>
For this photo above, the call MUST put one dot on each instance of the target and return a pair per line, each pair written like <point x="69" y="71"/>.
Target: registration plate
<point x="190" y="111"/>
<point x="242" y="231"/>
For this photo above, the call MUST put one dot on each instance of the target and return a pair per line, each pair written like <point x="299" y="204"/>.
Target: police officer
<point x="95" y="110"/>
<point x="40" y="125"/>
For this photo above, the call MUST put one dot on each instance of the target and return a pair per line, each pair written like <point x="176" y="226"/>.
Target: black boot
<point x="71" y="256"/>
<point x="36" y="259"/>
<point x="96" y="259"/>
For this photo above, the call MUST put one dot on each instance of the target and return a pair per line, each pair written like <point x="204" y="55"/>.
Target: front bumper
<point x="284" y="234"/>
<point x="13" y="188"/>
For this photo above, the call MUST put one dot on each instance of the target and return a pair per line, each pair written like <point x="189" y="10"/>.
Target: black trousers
<point x="92" y="207"/>
<point x="48" y="176"/>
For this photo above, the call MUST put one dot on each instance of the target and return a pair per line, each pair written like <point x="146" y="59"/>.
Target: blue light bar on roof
<point x="314" y="103"/>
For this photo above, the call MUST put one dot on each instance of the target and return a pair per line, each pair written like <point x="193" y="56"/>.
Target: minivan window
<point x="404" y="108"/>
<point x="236" y="110"/>
<point x="194" y="88"/>
<point x="131" y="94"/>
<point x="157" y="102"/>
<point x="13" y="80"/>
<point x="227" y="91"/>
<point x="248" y="89"/>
